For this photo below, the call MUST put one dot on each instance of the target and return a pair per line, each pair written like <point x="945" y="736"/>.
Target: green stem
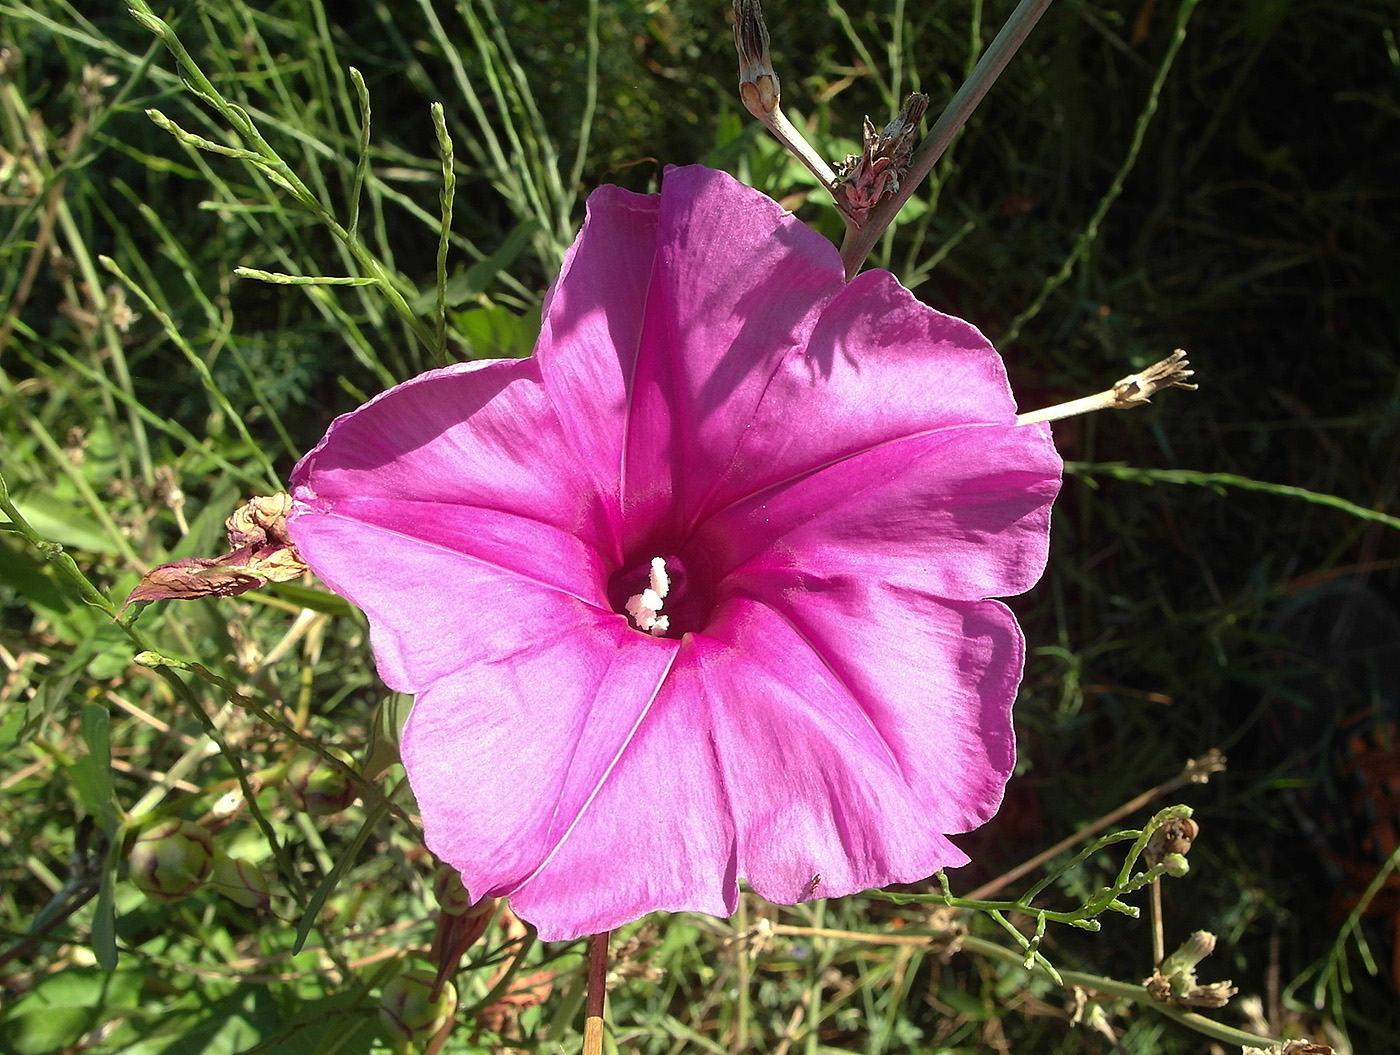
<point x="1135" y="993"/>
<point x="211" y="387"/>
<point x="1222" y="480"/>
<point x="53" y="553"/>
<point x="449" y="190"/>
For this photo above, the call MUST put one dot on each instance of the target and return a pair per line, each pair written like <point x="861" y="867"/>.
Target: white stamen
<point x="645" y="607"/>
<point x="660" y="581"/>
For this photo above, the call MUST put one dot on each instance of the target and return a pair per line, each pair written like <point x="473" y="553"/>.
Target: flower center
<point x="660" y="596"/>
<point x="645" y="607"/>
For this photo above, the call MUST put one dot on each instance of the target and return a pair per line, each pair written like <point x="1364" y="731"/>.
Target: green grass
<point x="208" y="253"/>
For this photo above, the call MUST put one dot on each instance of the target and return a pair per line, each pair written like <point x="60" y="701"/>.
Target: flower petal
<point x="859" y="730"/>
<point x="842" y="739"/>
<point x="878" y="366"/>
<point x="434" y="610"/>
<point x="506" y="756"/>
<point x="456" y="534"/>
<point x="737" y="287"/>
<point x="962" y="513"/>
<point x="475" y="434"/>
<point x="657" y="833"/>
<point x="592" y="329"/>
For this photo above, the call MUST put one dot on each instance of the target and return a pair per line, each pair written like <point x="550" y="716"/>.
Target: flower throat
<point x="659" y="597"/>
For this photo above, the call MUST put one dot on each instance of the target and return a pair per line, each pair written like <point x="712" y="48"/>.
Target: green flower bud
<point x="1175" y="865"/>
<point x="241" y="881"/>
<point x="316" y="787"/>
<point x="451" y="895"/>
<point x="171" y="859"/>
<point x="410" y="1015"/>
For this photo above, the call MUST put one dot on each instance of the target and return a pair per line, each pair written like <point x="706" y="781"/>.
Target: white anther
<point x="645" y="607"/>
<point x="660" y="581"/>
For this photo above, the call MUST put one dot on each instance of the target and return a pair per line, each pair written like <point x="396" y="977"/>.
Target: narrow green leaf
<point x="104" y="920"/>
<point x="92" y="774"/>
<point x="342" y="865"/>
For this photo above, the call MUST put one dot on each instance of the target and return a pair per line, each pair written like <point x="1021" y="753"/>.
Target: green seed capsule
<point x="410" y="1015"/>
<point x="171" y="860"/>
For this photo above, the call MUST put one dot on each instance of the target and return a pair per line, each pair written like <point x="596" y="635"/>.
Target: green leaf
<point x="110" y="649"/>
<point x="51" y="698"/>
<point x="232" y="1024"/>
<point x="32" y="578"/>
<point x="107" y="640"/>
<point x="104" y="920"/>
<point x="92" y="774"/>
<point x="64" y="1006"/>
<point x="308" y="597"/>
<point x="497" y="332"/>
<point x="44" y="1030"/>
<point x="64" y="523"/>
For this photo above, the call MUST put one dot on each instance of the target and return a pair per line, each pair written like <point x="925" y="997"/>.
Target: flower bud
<point x="1174" y="837"/>
<point x="758" y="84"/>
<point x="1175" y="865"/>
<point x="411" y="1016"/>
<point x="1192" y="951"/>
<point x="1174" y="981"/>
<point x="316" y="787"/>
<point x="241" y="882"/>
<point x="451" y="895"/>
<point x="171" y="859"/>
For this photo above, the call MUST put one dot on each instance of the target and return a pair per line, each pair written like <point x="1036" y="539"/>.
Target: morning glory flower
<point x="700" y="591"/>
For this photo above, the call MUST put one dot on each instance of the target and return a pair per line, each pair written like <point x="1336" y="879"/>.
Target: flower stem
<point x="993" y="951"/>
<point x="262" y="155"/>
<point x="1196" y="771"/>
<point x="860" y="241"/>
<point x="761" y="92"/>
<point x="1127" y="990"/>
<point x="1159" y="940"/>
<point x="597" y="993"/>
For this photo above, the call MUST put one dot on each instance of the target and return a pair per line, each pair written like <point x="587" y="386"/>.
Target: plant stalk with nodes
<point x="761" y="94"/>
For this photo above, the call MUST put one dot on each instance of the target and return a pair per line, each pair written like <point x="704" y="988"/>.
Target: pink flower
<point x="815" y="692"/>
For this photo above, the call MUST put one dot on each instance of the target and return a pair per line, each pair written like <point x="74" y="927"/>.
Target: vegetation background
<point x="1222" y="577"/>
